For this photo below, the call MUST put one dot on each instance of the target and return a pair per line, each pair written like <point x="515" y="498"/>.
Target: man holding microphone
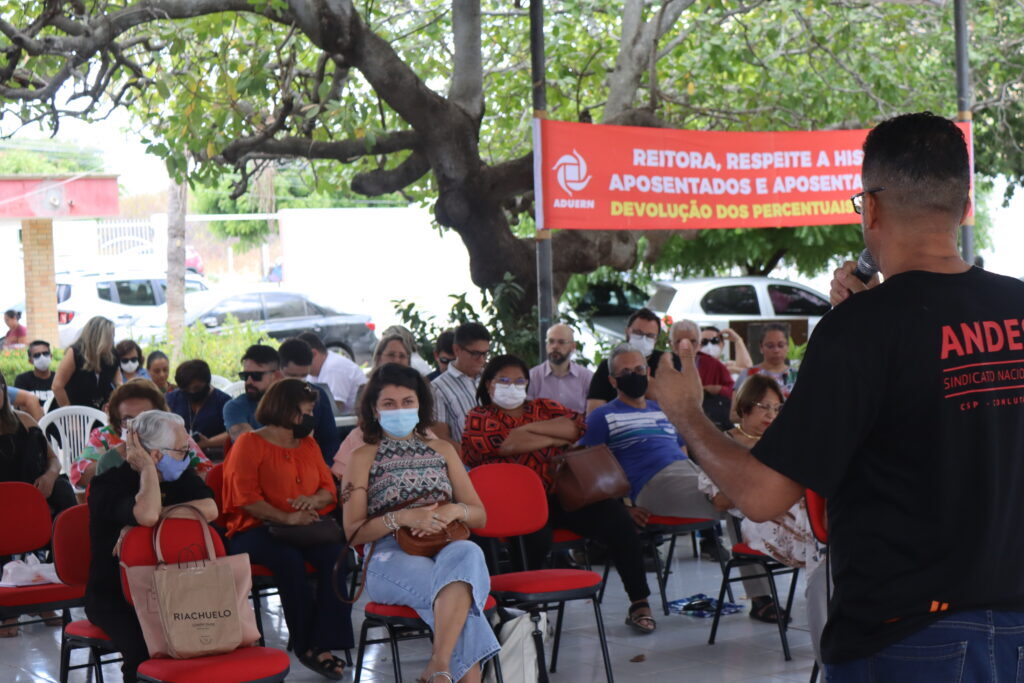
<point x="915" y="437"/>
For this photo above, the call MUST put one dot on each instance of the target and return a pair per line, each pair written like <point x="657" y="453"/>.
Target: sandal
<point x="51" y="618"/>
<point x="10" y="628"/>
<point x="436" y="673"/>
<point x="331" y="667"/>
<point x="764" y="609"/>
<point x="644" y="623"/>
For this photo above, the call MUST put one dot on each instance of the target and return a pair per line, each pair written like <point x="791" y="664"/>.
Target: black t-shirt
<point x="909" y="418"/>
<point x="42" y="388"/>
<point x="111" y="500"/>
<point x="602" y="390"/>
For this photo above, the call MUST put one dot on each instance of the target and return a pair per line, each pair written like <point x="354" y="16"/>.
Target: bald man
<point x="559" y="378"/>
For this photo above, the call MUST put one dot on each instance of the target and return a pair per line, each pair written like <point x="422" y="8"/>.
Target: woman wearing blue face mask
<point x="402" y="478"/>
<point x="507" y="427"/>
<point x="154" y="474"/>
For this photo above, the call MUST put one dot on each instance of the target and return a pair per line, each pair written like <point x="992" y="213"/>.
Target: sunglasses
<point x="445" y="360"/>
<point x="129" y="360"/>
<point x="40" y="355"/>
<point x="713" y="340"/>
<point x="255" y="375"/>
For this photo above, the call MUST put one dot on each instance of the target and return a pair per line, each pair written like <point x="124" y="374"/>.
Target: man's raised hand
<point x="678" y="391"/>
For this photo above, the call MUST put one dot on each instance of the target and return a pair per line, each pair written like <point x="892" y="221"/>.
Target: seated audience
<point x="443" y="353"/>
<point x="642" y="330"/>
<point x="508" y="427"/>
<point x="38" y="380"/>
<point x="712" y="342"/>
<point x="261" y="367"/>
<point x="106" y="446"/>
<point x="789" y="538"/>
<point x="158" y="365"/>
<point x="402" y="465"/>
<point x="131" y="360"/>
<point x="296" y="359"/>
<point x="663" y="480"/>
<point x="339" y="373"/>
<point x="154" y="475"/>
<point x="455" y="390"/>
<point x="89" y="370"/>
<point x="559" y="377"/>
<point x="714" y="376"/>
<point x="276" y="478"/>
<point x="774" y="350"/>
<point x="17" y="334"/>
<point x="416" y="361"/>
<point x="199" y="404"/>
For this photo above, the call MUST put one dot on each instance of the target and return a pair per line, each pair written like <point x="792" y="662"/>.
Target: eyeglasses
<point x="255" y="375"/>
<point x="477" y="355"/>
<point x="184" y="452"/>
<point x="770" y="408"/>
<point x="858" y="199"/>
<point x="40" y="355"/>
<point x="507" y="381"/>
<point x="712" y="340"/>
<point x="444" y="360"/>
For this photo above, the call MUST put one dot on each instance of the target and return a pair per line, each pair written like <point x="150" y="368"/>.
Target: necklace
<point x="749" y="436"/>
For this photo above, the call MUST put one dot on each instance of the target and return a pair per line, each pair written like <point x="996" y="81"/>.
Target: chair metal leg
<point x="65" y="658"/>
<point x="558" y="636"/>
<point x="693" y="542"/>
<point x="716" y="535"/>
<point x="814" y="672"/>
<point x="721" y="596"/>
<point x="792" y="591"/>
<point x="393" y="639"/>
<point x="660" y="574"/>
<point x="604" y="642"/>
<point x="257" y="609"/>
<point x="97" y="663"/>
<point x="361" y="650"/>
<point x="604" y="580"/>
<point x="538" y="643"/>
<point x="781" y="617"/>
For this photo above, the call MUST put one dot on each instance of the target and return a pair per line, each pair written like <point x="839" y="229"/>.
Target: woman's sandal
<point x="331" y="667"/>
<point x="764" y="609"/>
<point x="644" y="623"/>
<point x="434" y="675"/>
<point x="10" y="628"/>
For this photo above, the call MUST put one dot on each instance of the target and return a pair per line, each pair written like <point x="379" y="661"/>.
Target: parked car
<point x="608" y="305"/>
<point x="280" y="314"/>
<point x="124" y="296"/>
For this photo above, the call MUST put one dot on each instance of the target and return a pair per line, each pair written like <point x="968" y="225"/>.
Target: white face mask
<point x="130" y="366"/>
<point x="42" y="362"/>
<point x="509" y="396"/>
<point x="644" y="345"/>
<point x="713" y="350"/>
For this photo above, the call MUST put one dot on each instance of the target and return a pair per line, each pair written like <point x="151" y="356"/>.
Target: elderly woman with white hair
<point x="714" y="376"/>
<point x="155" y="474"/>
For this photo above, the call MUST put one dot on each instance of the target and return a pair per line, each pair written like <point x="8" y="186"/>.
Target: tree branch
<point x="388" y="180"/>
<point x="467" y="86"/>
<point x="341" y="150"/>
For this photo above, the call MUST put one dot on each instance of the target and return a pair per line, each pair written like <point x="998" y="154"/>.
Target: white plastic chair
<point x="234" y="389"/>
<point x="74" y="424"/>
<point x="219" y="382"/>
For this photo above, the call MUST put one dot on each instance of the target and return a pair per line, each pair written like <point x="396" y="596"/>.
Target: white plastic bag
<point x="28" y="572"/>
<point x="518" y="650"/>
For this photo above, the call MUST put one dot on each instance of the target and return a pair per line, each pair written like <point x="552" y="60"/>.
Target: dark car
<point x="285" y="314"/>
<point x="607" y="305"/>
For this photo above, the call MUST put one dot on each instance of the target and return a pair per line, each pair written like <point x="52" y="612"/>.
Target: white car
<point x="124" y="296"/>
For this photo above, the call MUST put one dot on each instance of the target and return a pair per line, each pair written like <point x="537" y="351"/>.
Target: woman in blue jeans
<point x="400" y="478"/>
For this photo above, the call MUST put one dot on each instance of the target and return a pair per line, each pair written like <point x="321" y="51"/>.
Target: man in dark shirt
<point x="296" y="361"/>
<point x="915" y="436"/>
<point x="39" y="380"/>
<point x="134" y="494"/>
<point x="642" y="330"/>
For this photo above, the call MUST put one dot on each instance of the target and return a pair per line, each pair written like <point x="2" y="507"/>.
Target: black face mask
<point x="304" y="428"/>
<point x="196" y="396"/>
<point x="632" y="385"/>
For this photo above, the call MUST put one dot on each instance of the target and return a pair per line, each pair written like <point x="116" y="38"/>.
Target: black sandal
<point x="332" y="667"/>
<point x="644" y="623"/>
<point x="764" y="609"/>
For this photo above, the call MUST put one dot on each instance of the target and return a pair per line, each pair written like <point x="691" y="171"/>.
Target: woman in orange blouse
<point x="507" y="427"/>
<point x="277" y="476"/>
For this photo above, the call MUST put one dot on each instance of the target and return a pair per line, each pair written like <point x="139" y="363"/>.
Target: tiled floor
<point x="746" y="650"/>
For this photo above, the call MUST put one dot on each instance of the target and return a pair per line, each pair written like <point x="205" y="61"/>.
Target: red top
<point x="488" y="427"/>
<point x="712" y="371"/>
<point x="259" y="470"/>
<point x="15" y="333"/>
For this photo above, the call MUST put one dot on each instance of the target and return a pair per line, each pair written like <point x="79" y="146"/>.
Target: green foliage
<point x="222" y="351"/>
<point x="511" y="331"/>
<point x="13" y="362"/>
<point x="41" y="157"/>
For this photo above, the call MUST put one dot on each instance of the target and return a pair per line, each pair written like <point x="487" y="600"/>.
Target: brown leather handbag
<point x="588" y="476"/>
<point x="431" y="544"/>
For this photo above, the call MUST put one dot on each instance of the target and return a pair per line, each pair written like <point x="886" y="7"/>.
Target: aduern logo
<point x="572" y="172"/>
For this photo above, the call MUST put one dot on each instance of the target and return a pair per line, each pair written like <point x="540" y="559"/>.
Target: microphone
<point x="866" y="267"/>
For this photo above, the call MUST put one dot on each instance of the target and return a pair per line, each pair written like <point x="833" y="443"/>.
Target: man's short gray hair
<point x="621" y="350"/>
<point x="683" y="326"/>
<point x="156" y="429"/>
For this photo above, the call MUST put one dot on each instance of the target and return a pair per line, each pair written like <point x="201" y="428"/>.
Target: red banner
<point x="596" y="177"/>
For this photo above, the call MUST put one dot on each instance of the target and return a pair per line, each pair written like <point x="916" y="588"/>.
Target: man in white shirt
<point x="455" y="390"/>
<point x="342" y="376"/>
<point x="559" y="378"/>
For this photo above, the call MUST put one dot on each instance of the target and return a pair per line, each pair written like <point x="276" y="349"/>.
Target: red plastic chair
<point x="72" y="555"/>
<point x="244" y="665"/>
<point x="28" y="528"/>
<point x="817" y="512"/>
<point x="516" y="504"/>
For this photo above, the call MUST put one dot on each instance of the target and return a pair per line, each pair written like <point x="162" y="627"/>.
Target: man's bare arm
<point x="758" y="491"/>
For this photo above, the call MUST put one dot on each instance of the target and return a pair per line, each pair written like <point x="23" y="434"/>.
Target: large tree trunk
<point x="177" y="206"/>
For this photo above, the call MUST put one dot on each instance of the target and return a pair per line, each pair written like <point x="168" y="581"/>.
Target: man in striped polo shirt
<point x="455" y="389"/>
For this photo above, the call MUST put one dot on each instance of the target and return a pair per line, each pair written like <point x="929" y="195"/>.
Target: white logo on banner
<point x="572" y="173"/>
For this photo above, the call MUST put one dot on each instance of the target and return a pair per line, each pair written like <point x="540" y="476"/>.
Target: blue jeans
<point x="967" y="647"/>
<point x="394" y="577"/>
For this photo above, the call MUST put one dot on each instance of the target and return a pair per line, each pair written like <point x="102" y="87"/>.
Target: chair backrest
<point x="72" y="552"/>
<point x="218" y="382"/>
<point x="182" y="539"/>
<point x="74" y="424"/>
<point x="514" y="498"/>
<point x="234" y="389"/>
<point x="817" y="512"/>
<point x="27" y="518"/>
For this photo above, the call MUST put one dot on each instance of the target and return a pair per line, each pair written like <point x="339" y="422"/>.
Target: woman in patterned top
<point x="106" y="445"/>
<point x="506" y="427"/>
<point x="402" y="478"/>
